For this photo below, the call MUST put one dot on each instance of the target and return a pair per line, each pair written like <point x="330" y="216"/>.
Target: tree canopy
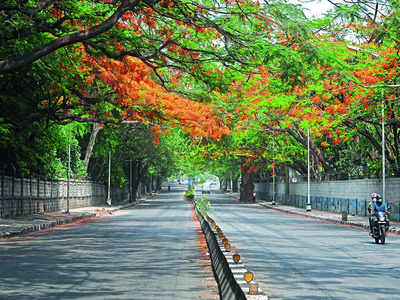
<point x="217" y="85"/>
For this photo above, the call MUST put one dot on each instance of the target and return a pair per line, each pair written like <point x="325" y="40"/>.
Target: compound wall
<point x="336" y="196"/>
<point x="26" y="196"/>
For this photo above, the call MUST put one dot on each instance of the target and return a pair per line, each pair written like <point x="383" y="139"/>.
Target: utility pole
<point x="231" y="182"/>
<point x="273" y="175"/>
<point x="109" y="179"/>
<point x="151" y="184"/>
<point x="308" y="206"/>
<point x="273" y="185"/>
<point x="383" y="152"/>
<point x="130" y="180"/>
<point x="69" y="164"/>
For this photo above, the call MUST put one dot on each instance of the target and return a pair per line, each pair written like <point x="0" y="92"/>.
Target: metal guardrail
<point x="228" y="288"/>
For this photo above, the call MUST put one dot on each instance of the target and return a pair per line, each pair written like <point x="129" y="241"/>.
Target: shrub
<point x="204" y="205"/>
<point x="189" y="193"/>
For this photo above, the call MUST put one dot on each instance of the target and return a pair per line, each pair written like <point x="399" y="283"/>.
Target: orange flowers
<point x="316" y="99"/>
<point x="151" y="102"/>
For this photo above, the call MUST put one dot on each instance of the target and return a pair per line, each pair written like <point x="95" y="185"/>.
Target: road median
<point x="235" y="281"/>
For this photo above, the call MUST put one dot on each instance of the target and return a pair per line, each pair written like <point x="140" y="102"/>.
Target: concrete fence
<point x="25" y="196"/>
<point x="352" y="196"/>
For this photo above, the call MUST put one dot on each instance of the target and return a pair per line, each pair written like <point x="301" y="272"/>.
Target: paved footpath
<point x="328" y="216"/>
<point x="12" y="227"/>
<point x="152" y="251"/>
<point x="358" y="221"/>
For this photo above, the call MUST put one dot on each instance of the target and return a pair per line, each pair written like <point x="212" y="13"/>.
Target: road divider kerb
<point x="230" y="275"/>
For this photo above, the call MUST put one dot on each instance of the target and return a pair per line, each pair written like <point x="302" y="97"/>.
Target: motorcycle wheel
<point x="382" y="232"/>
<point x="375" y="234"/>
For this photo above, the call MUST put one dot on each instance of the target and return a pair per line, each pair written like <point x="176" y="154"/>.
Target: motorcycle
<point x="381" y="226"/>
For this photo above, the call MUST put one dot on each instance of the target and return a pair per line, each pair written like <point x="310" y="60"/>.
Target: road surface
<point x="149" y="252"/>
<point x="298" y="258"/>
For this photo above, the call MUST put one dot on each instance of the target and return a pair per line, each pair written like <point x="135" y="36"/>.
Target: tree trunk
<point x="235" y="185"/>
<point x="92" y="141"/>
<point x="139" y="169"/>
<point x="158" y="184"/>
<point x="221" y="184"/>
<point x="247" y="186"/>
<point x="136" y="180"/>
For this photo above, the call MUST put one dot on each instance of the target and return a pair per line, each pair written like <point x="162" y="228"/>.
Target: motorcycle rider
<point x="379" y="205"/>
<point x="373" y="200"/>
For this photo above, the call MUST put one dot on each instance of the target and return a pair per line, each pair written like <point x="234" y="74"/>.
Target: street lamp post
<point x="130" y="181"/>
<point x="273" y="186"/>
<point x="383" y="151"/>
<point x="231" y="182"/>
<point x="273" y="175"/>
<point x="109" y="179"/>
<point x="69" y="164"/>
<point x="308" y="206"/>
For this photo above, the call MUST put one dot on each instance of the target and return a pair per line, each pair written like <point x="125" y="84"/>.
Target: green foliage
<point x="133" y="144"/>
<point x="232" y="43"/>
<point x="42" y="149"/>
<point x="204" y="205"/>
<point x="189" y="193"/>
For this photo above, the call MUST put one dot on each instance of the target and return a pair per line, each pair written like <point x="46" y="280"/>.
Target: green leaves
<point x="204" y="205"/>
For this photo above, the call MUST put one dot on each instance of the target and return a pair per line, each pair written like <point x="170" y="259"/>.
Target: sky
<point x="315" y="8"/>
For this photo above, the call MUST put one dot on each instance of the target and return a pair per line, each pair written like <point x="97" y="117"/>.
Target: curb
<point x="42" y="226"/>
<point x="364" y="226"/>
<point x="46" y="225"/>
<point x="392" y="229"/>
<point x="314" y="217"/>
<point x="133" y="204"/>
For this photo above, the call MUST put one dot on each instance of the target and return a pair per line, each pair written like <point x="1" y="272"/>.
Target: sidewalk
<point x="358" y="221"/>
<point x="21" y="225"/>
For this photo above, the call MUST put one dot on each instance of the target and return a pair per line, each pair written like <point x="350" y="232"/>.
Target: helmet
<point x="376" y="196"/>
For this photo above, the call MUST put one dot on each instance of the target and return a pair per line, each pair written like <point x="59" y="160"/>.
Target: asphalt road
<point x="149" y="252"/>
<point x="297" y="258"/>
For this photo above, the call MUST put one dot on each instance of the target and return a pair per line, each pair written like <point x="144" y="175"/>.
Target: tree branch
<point x="14" y="63"/>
